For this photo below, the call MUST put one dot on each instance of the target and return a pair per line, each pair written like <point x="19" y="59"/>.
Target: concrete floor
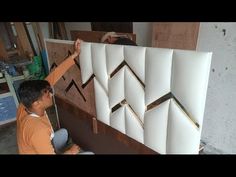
<point x="8" y="144"/>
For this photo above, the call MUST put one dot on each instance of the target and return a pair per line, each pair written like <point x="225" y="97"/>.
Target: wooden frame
<point x="94" y="36"/>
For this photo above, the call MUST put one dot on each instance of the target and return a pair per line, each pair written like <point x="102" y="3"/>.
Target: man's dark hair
<point x="124" y="41"/>
<point x="31" y="90"/>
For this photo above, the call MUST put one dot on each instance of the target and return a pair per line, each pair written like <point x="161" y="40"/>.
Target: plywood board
<point x="69" y="87"/>
<point x="95" y="36"/>
<point x="175" y="35"/>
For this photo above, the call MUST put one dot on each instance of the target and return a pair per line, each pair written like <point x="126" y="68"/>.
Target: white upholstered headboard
<point x="153" y="95"/>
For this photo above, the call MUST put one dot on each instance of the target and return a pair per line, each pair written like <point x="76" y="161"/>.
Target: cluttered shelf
<point x="11" y="76"/>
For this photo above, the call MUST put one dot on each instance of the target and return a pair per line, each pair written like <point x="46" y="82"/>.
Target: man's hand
<point x="77" y="47"/>
<point x="73" y="150"/>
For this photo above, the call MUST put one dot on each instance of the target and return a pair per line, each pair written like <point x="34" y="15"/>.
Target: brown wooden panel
<point x="69" y="87"/>
<point x="106" y="141"/>
<point x="175" y="35"/>
<point x="123" y="27"/>
<point x="94" y="36"/>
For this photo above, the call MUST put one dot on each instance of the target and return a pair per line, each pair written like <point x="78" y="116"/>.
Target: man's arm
<point x="54" y="76"/>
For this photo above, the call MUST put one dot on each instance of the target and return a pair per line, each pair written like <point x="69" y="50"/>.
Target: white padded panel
<point x="133" y="126"/>
<point x="155" y="127"/>
<point x="118" y="119"/>
<point x="85" y="61"/>
<point x="182" y="135"/>
<point x="190" y="74"/>
<point x="134" y="93"/>
<point x="115" y="56"/>
<point x="99" y="64"/>
<point x="135" y="58"/>
<point x="157" y="73"/>
<point x="167" y="129"/>
<point x="102" y="103"/>
<point x="116" y="88"/>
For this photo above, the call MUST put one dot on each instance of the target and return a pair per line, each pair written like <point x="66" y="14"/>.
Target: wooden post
<point x="95" y="126"/>
<point x="23" y="38"/>
<point x="3" y="52"/>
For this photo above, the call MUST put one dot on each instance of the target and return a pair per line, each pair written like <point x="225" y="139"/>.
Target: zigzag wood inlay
<point x="169" y="96"/>
<point x="136" y="116"/>
<point x="122" y="103"/>
<point x="186" y="112"/>
<point x="88" y="81"/>
<point x="159" y="101"/>
<point x="77" y="88"/>
<point x="54" y="65"/>
<point x="120" y="66"/>
<point x="117" y="106"/>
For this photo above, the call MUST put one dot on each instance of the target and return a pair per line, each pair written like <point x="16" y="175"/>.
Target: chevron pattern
<point x="70" y="87"/>
<point x="155" y="96"/>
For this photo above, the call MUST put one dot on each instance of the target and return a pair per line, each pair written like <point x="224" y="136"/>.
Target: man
<point x="34" y="130"/>
<point x="113" y="38"/>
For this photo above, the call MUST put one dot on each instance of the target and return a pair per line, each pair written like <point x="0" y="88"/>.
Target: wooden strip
<point x="159" y="101"/>
<point x="23" y="38"/>
<point x="62" y="30"/>
<point x="95" y="126"/>
<point x="136" y="116"/>
<point x="36" y="33"/>
<point x="3" y="52"/>
<point x="186" y="112"/>
<point x="169" y="96"/>
<point x="117" y="106"/>
<point x="29" y="39"/>
<point x="124" y="63"/>
<point x="10" y="33"/>
<point x="88" y="81"/>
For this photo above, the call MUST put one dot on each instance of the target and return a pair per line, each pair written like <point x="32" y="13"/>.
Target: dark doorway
<point x="122" y="27"/>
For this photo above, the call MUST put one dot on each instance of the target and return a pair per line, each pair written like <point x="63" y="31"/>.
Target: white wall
<point x="45" y="29"/>
<point x="84" y="26"/>
<point x="143" y="31"/>
<point x="219" y="126"/>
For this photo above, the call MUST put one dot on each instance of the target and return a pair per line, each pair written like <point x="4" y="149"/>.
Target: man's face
<point x="46" y="99"/>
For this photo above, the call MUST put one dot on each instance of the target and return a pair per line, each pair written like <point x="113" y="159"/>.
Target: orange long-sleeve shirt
<point x="34" y="133"/>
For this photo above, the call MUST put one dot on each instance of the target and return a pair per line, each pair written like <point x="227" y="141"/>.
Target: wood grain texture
<point x="175" y="35"/>
<point x="94" y="36"/>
